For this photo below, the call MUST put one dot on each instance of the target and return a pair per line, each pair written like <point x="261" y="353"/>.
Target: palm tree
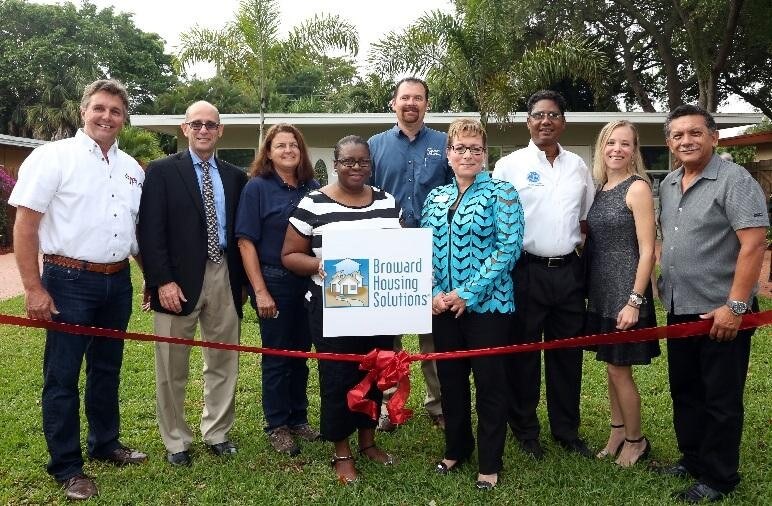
<point x="142" y="145"/>
<point x="56" y="115"/>
<point x="248" y="48"/>
<point x="482" y="52"/>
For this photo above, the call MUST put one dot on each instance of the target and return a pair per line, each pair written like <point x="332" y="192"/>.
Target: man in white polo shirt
<point x="556" y="191"/>
<point x="77" y="201"/>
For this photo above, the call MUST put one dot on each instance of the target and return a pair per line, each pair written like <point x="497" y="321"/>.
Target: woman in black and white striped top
<point x="347" y="204"/>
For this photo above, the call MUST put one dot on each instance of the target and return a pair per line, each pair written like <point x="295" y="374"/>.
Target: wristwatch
<point x="737" y="307"/>
<point x="636" y="299"/>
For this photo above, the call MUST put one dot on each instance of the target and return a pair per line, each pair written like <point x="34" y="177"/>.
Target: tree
<point x="142" y="145"/>
<point x="229" y="98"/>
<point x="668" y="52"/>
<point x="482" y="55"/>
<point x="49" y="52"/>
<point x="248" y="49"/>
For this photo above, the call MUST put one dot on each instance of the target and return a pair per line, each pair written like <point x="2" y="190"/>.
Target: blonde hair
<point x="466" y="126"/>
<point x="636" y="161"/>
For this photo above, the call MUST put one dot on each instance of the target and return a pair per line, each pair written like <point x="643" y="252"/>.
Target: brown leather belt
<point x="72" y="263"/>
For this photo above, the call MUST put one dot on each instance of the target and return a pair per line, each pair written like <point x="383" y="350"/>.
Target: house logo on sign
<point x="346" y="283"/>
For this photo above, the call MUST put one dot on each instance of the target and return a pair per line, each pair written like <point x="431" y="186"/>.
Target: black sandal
<point x="646" y="450"/>
<point x="335" y="459"/>
<point x="605" y="453"/>
<point x="389" y="457"/>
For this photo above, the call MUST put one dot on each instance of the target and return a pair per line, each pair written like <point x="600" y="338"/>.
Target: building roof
<point x="22" y="142"/>
<point x="747" y="139"/>
<point x="170" y="123"/>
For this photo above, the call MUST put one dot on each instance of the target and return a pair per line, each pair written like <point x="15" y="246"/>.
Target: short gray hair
<point x="111" y="86"/>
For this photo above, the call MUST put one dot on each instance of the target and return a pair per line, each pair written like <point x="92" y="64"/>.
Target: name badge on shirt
<point x="441" y="198"/>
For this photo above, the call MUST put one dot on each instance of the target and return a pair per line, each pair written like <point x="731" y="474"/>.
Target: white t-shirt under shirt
<point x="90" y="205"/>
<point x="318" y="213"/>
<point x="555" y="197"/>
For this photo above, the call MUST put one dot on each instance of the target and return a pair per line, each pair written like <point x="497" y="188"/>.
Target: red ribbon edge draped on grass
<point x="387" y="369"/>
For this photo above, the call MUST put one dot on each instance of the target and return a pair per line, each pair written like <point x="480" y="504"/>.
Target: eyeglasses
<point x="541" y="115"/>
<point x="198" y="125"/>
<point x="350" y="162"/>
<point x="460" y="149"/>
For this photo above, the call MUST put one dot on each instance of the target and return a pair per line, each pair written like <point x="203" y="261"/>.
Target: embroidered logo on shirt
<point x="132" y="180"/>
<point x="432" y="152"/>
<point x="534" y="178"/>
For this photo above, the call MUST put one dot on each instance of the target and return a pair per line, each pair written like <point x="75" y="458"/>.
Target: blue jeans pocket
<point x="60" y="273"/>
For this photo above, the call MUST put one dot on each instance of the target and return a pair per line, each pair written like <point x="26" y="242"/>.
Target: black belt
<point x="558" y="261"/>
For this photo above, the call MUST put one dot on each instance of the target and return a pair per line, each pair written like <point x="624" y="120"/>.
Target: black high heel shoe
<point x="442" y="469"/>
<point x="644" y="454"/>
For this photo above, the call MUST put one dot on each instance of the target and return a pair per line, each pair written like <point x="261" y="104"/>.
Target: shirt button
<point x="115" y="235"/>
<point x="410" y="161"/>
<point x="680" y="209"/>
<point x="113" y="254"/>
<point x="115" y="216"/>
<point x="409" y="198"/>
<point x="676" y="228"/>
<point x="409" y="180"/>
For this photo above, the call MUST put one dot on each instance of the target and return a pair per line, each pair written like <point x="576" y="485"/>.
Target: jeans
<point x="98" y="300"/>
<point x="285" y="379"/>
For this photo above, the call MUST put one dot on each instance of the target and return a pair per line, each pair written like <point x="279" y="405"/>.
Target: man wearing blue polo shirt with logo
<point x="408" y="161"/>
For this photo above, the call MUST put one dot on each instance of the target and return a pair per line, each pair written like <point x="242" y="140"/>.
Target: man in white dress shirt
<point x="77" y="201"/>
<point x="556" y="191"/>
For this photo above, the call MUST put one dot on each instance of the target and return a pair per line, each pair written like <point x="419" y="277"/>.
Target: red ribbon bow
<point x="386" y="369"/>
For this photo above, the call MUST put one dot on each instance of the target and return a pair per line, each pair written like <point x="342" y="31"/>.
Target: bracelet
<point x="634" y="307"/>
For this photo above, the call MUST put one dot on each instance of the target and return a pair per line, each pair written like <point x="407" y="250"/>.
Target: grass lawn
<point x="257" y="475"/>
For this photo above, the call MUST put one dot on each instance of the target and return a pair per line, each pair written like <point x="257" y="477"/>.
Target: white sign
<point x="378" y="282"/>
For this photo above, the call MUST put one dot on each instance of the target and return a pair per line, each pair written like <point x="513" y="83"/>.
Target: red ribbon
<point x="385" y="369"/>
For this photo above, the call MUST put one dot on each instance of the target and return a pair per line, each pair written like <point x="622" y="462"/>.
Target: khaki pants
<point x="219" y="323"/>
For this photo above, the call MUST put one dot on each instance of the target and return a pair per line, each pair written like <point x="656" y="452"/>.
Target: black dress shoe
<point x="179" y="459"/>
<point x="577" y="446"/>
<point x="699" y="492"/>
<point x="223" y="449"/>
<point x="122" y="456"/>
<point x="676" y="470"/>
<point x="532" y="448"/>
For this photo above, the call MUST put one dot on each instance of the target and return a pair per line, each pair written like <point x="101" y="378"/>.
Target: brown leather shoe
<point x="79" y="488"/>
<point x="122" y="456"/>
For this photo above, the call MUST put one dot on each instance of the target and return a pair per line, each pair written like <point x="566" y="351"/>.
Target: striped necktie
<point x="212" y="228"/>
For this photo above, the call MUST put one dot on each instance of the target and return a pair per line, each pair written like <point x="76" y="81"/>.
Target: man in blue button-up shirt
<point x="409" y="160"/>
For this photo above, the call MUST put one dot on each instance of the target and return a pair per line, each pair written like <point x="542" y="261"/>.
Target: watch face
<point x="738" y="307"/>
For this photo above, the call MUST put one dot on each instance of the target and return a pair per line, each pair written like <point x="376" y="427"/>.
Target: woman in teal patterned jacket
<point x="477" y="226"/>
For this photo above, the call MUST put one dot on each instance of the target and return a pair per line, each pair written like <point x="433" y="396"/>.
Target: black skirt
<point x="622" y="354"/>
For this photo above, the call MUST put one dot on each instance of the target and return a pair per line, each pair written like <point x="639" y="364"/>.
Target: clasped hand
<point x="448" y="302"/>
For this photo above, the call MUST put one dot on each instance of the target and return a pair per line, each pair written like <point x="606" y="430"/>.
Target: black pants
<point x="707" y="379"/>
<point x="549" y="302"/>
<point x="336" y="421"/>
<point x="472" y="331"/>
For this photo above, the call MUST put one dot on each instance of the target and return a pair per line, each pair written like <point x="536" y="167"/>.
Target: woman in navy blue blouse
<point x="477" y="225"/>
<point x="281" y="176"/>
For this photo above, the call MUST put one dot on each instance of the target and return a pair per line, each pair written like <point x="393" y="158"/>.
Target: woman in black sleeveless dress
<point x="621" y="235"/>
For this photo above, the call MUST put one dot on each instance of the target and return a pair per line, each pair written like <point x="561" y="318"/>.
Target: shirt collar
<point x="533" y="146"/>
<point x="197" y="160"/>
<point x="87" y="142"/>
<point x="398" y="131"/>
<point x="709" y="172"/>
